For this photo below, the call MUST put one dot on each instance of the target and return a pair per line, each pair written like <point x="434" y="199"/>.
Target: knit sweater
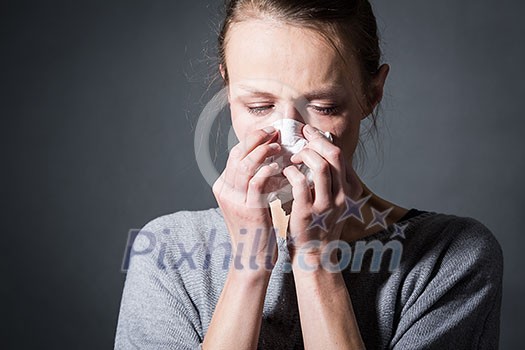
<point x="444" y="293"/>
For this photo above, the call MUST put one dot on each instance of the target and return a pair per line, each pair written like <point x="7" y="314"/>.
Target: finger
<point x="301" y="192"/>
<point x="256" y="138"/>
<point x="250" y="164"/>
<point x="257" y="195"/>
<point x="311" y="133"/>
<point x="322" y="176"/>
<point x="240" y="150"/>
<point x="333" y="154"/>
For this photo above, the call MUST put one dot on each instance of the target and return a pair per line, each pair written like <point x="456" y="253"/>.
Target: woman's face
<point x="277" y="70"/>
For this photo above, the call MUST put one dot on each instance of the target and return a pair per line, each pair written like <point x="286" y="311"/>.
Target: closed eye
<point x="331" y="110"/>
<point x="260" y="110"/>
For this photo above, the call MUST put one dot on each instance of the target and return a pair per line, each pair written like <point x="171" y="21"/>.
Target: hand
<point x="241" y="192"/>
<point x="316" y="209"/>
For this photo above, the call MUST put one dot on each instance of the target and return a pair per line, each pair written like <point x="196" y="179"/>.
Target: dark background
<point x="99" y="101"/>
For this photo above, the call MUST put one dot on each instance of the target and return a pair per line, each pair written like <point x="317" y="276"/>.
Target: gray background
<point x="99" y="102"/>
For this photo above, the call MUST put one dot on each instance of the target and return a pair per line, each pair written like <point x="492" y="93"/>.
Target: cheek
<point x="346" y="135"/>
<point x="238" y="122"/>
<point x="350" y="140"/>
<point x="243" y="122"/>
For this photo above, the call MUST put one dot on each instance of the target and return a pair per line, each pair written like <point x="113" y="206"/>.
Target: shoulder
<point x="449" y="283"/>
<point x="171" y="236"/>
<point x="184" y="219"/>
<point x="188" y="251"/>
<point x="454" y="247"/>
<point x="461" y="235"/>
<point x="186" y="225"/>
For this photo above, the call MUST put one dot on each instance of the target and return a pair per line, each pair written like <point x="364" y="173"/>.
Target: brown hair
<point x="349" y="25"/>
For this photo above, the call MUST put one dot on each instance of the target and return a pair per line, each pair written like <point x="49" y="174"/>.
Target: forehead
<point x="296" y="57"/>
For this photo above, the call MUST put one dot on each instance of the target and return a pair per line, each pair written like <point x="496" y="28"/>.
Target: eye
<point x="330" y="110"/>
<point x="260" y="110"/>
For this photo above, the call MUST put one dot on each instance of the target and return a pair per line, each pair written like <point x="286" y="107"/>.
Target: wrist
<point x="313" y="260"/>
<point x="254" y="262"/>
<point x="249" y="276"/>
<point x="318" y="279"/>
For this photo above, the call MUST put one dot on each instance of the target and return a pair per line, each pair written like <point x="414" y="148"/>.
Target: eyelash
<point x="261" y="110"/>
<point x="326" y="110"/>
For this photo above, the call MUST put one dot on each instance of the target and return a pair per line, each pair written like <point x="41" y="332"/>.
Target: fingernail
<point x="293" y="158"/>
<point x="269" y="129"/>
<point x="274" y="165"/>
<point x="274" y="146"/>
<point x="310" y="129"/>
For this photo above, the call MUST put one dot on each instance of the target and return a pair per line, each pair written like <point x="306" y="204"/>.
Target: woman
<point x="287" y="286"/>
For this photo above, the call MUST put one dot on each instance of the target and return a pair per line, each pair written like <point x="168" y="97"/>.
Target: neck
<point x="355" y="229"/>
<point x="279" y="218"/>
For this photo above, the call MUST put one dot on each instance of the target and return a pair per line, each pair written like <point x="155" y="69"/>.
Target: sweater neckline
<point x="406" y="222"/>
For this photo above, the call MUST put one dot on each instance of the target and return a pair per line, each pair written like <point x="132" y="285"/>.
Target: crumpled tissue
<point x="292" y="141"/>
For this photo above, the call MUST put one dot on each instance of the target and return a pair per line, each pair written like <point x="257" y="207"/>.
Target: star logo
<point x="290" y="240"/>
<point x="379" y="218"/>
<point x="399" y="230"/>
<point x="353" y="208"/>
<point x="319" y="220"/>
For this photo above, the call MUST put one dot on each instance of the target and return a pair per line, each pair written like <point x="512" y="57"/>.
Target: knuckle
<point x="217" y="186"/>
<point x="263" y="172"/>
<point x="236" y="151"/>
<point x="322" y="167"/>
<point x="218" y="195"/>
<point x="256" y="184"/>
<point x="323" y="205"/>
<point x="247" y="166"/>
<point x="243" y="167"/>
<point x="334" y="153"/>
<point x="339" y="200"/>
<point x="263" y="151"/>
<point x="300" y="180"/>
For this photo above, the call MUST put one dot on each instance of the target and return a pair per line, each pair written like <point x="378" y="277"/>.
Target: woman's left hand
<point x="316" y="211"/>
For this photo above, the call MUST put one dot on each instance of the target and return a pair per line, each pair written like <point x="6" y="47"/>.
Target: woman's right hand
<point x="242" y="194"/>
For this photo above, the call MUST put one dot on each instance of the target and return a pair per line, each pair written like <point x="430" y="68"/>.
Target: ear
<point x="377" y="86"/>
<point x="223" y="71"/>
<point x="223" y="75"/>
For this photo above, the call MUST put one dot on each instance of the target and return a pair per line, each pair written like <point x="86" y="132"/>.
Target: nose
<point x="295" y="111"/>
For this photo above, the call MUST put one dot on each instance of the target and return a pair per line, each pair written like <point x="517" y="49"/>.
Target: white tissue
<point x="292" y="141"/>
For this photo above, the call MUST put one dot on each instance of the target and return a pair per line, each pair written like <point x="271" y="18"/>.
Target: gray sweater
<point x="445" y="292"/>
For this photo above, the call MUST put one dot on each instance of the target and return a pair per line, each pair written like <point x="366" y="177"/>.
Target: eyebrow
<point x="327" y="92"/>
